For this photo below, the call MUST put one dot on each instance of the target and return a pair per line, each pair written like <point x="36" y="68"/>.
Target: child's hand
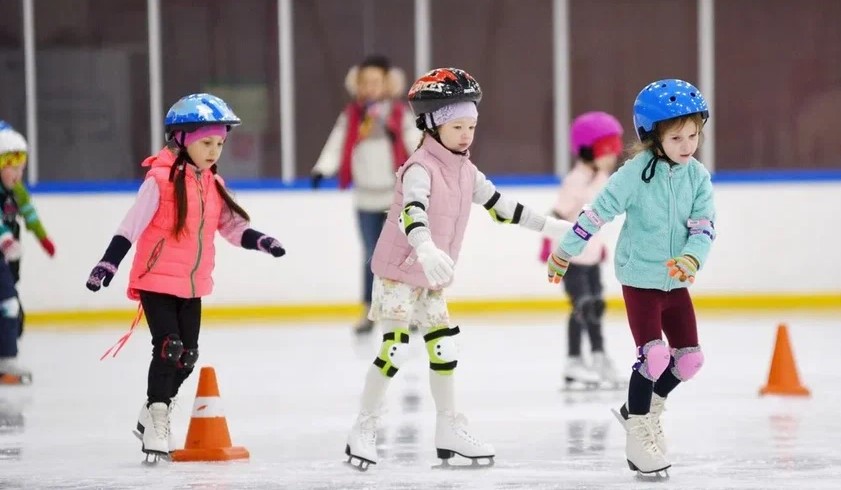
<point x="101" y="275"/>
<point x="555" y="228"/>
<point x="10" y="247"/>
<point x="48" y="246"/>
<point x="683" y="268"/>
<point x="437" y="265"/>
<point x="270" y="246"/>
<point x="557" y="265"/>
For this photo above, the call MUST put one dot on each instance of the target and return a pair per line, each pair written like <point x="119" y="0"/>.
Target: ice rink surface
<point x="291" y="395"/>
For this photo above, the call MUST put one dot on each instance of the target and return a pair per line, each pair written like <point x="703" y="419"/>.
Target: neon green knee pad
<point x="441" y="347"/>
<point x="393" y="352"/>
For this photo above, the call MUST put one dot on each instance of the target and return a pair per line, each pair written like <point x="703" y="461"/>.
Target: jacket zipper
<point x="200" y="189"/>
<point x="672" y="214"/>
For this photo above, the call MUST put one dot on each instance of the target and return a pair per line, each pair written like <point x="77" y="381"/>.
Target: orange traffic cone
<point x="207" y="437"/>
<point x="783" y="379"/>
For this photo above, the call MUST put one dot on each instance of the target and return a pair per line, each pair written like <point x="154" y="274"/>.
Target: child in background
<point x="372" y="137"/>
<point x="179" y="208"/>
<point x="596" y="143"/>
<point x="16" y="202"/>
<point x="668" y="232"/>
<point x="416" y="255"/>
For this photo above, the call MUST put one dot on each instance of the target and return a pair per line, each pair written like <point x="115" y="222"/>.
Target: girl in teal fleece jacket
<point x="667" y="199"/>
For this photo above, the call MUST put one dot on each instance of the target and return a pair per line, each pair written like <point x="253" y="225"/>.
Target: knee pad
<point x="688" y="361"/>
<point x="442" y="349"/>
<point x="171" y="349"/>
<point x="10" y="308"/>
<point x="393" y="352"/>
<point x="652" y="359"/>
<point x="189" y="358"/>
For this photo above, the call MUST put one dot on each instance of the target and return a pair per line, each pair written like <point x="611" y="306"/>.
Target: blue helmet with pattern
<point x="666" y="99"/>
<point x="196" y="110"/>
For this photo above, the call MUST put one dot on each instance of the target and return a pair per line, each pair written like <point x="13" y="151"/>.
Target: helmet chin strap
<point x="659" y="154"/>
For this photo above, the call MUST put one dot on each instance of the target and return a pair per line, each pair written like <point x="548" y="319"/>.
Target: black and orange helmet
<point x="443" y="86"/>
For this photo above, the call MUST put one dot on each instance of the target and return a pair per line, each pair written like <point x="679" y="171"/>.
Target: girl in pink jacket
<point x="596" y="139"/>
<point x="416" y="253"/>
<point x="181" y="205"/>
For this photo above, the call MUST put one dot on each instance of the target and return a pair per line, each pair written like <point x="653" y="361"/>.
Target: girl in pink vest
<point x="416" y="254"/>
<point x="371" y="139"/>
<point x="179" y="208"/>
<point x="597" y="143"/>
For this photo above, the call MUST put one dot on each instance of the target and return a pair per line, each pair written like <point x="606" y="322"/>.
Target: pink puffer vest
<point x="452" y="180"/>
<point x="181" y="266"/>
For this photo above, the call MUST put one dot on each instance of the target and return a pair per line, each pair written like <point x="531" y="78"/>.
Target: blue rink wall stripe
<point x="723" y="177"/>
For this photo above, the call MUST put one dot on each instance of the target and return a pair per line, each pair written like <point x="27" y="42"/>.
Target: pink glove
<point x="48" y="246"/>
<point x="546" y="250"/>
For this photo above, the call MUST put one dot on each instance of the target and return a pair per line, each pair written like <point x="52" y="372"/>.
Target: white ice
<point x="291" y="392"/>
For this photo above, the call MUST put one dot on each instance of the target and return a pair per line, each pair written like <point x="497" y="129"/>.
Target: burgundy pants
<point x="652" y="311"/>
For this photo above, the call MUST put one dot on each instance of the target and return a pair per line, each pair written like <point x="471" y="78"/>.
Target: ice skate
<point x="153" y="431"/>
<point x="11" y="373"/>
<point x="361" y="448"/>
<point x="654" y="413"/>
<point x="604" y="368"/>
<point x="641" y="450"/>
<point x="452" y="437"/>
<point x="578" y="376"/>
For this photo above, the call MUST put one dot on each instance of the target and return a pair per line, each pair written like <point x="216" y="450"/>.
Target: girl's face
<point x="371" y="84"/>
<point x="457" y="135"/>
<point x="206" y="151"/>
<point x="681" y="142"/>
<point x="606" y="163"/>
<point x="11" y="175"/>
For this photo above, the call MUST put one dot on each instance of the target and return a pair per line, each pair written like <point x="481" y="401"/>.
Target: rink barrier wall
<point x="773" y="228"/>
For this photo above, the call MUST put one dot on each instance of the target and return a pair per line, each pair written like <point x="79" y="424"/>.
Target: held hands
<point x="271" y="246"/>
<point x="683" y="268"/>
<point x="10" y="247"/>
<point x="101" y="275"/>
<point x="48" y="246"/>
<point x="555" y="228"/>
<point x="437" y="265"/>
<point x="557" y="265"/>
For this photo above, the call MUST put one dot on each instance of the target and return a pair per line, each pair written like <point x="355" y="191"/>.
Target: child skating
<point x="667" y="199"/>
<point x="416" y="255"/>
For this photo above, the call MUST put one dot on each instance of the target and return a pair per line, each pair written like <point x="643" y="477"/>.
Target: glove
<point x="48" y="246"/>
<point x="545" y="250"/>
<point x="557" y="265"/>
<point x="604" y="255"/>
<point x="437" y="265"/>
<point x="101" y="275"/>
<point x="683" y="268"/>
<point x="315" y="180"/>
<point x="10" y="247"/>
<point x="555" y="228"/>
<point x="270" y="246"/>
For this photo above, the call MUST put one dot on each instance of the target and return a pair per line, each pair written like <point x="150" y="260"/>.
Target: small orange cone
<point x="783" y="379"/>
<point x="207" y="437"/>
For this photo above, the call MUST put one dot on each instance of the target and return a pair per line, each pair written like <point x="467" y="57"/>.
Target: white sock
<point x="443" y="391"/>
<point x="376" y="383"/>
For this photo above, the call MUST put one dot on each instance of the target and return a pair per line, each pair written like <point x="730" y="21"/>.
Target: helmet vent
<point x="673" y="98"/>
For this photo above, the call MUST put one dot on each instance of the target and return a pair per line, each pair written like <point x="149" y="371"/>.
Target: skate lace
<point x="368" y="424"/>
<point x="160" y="419"/>
<point x="641" y="428"/>
<point x="460" y="428"/>
<point x="657" y="409"/>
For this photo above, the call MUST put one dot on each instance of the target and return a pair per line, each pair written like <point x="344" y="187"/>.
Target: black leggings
<point x="583" y="284"/>
<point x="170" y="318"/>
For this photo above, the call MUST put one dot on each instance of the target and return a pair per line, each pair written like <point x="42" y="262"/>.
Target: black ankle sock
<point x="667" y="382"/>
<point x="639" y="394"/>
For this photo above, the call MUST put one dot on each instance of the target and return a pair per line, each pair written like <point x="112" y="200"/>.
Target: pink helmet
<point x="591" y="127"/>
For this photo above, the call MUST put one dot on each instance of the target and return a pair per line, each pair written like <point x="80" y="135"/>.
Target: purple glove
<point x="101" y="275"/>
<point x="271" y="246"/>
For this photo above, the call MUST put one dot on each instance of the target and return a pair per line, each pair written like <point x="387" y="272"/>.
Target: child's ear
<point x="352" y="81"/>
<point x="395" y="82"/>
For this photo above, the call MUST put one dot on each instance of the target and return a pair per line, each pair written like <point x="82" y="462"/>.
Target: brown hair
<point x="178" y="176"/>
<point x="662" y="127"/>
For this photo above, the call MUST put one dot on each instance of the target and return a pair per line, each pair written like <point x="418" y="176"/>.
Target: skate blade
<point x="152" y="457"/>
<point x="650" y="476"/>
<point x="475" y="461"/>
<point x="361" y="464"/>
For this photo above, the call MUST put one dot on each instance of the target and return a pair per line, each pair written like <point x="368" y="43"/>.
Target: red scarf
<point x="394" y="128"/>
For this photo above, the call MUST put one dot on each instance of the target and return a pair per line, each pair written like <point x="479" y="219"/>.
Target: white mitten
<point x="437" y="265"/>
<point x="555" y="228"/>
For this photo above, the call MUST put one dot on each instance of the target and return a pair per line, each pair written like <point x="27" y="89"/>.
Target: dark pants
<point x="9" y="320"/>
<point x="169" y="318"/>
<point x="583" y="285"/>
<point x="651" y="313"/>
<point x="370" y="225"/>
